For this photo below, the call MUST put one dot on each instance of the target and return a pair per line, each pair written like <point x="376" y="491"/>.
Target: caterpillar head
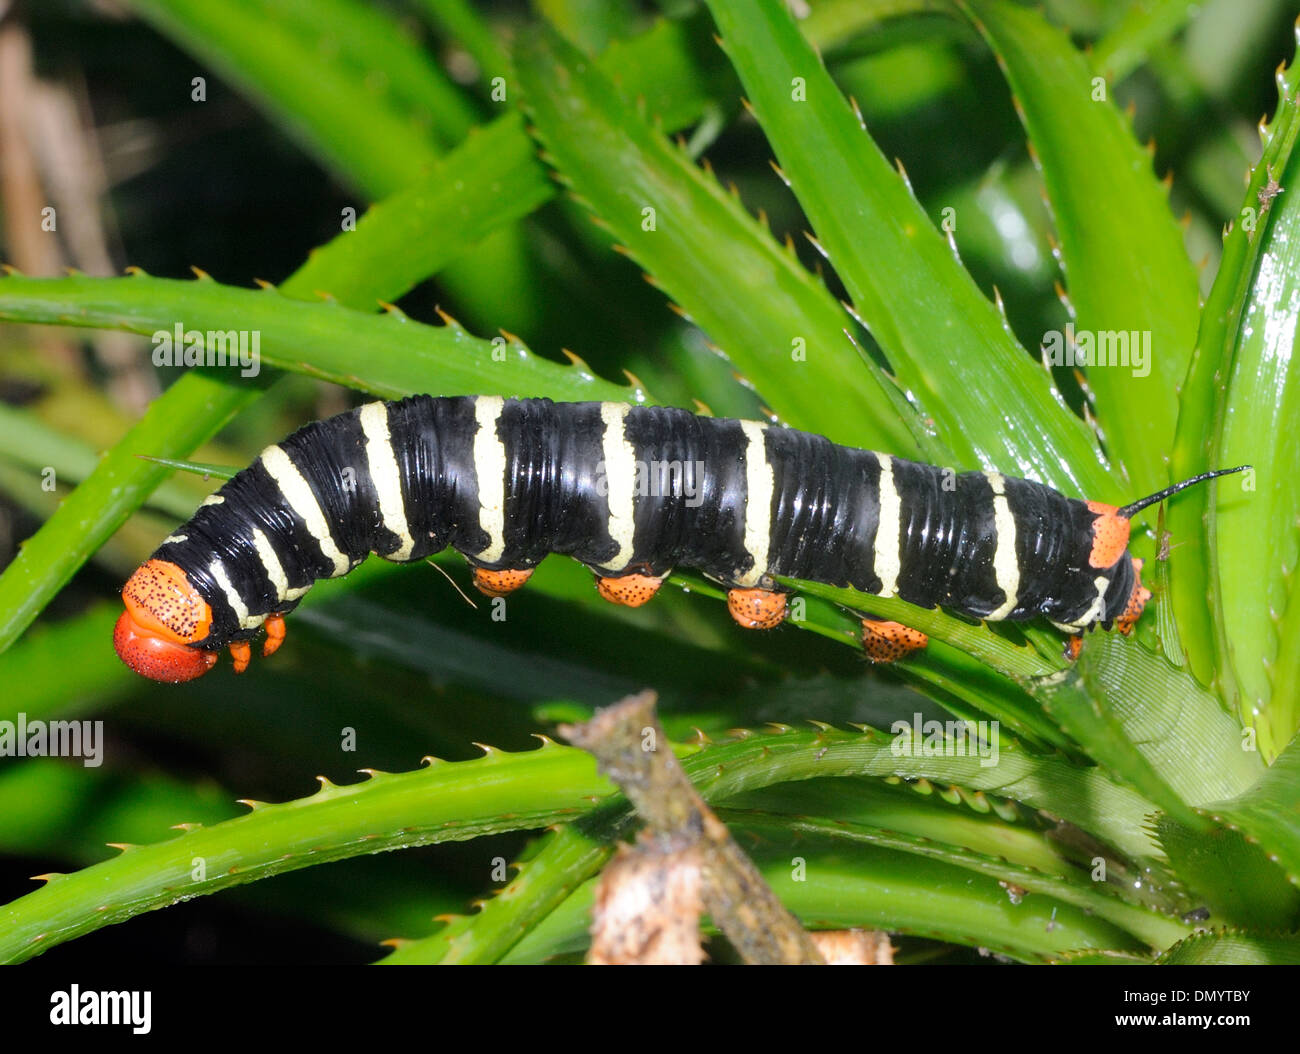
<point x="164" y="617"/>
<point x="1110" y="536"/>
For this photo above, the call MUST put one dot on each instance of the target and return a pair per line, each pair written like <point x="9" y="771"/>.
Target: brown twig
<point x="630" y="746"/>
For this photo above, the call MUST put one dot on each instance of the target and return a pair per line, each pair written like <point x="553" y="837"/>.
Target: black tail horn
<point x="1129" y="511"/>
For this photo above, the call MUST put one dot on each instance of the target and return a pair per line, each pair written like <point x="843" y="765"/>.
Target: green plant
<point x="1154" y="778"/>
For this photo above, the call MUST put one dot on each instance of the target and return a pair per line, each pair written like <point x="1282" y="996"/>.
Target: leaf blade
<point x="1126" y="271"/>
<point x="990" y="403"/>
<point x="705" y="251"/>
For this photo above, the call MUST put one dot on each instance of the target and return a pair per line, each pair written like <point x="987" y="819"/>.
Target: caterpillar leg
<point x="890" y="641"/>
<point x="500" y="583"/>
<point x="1073" y="645"/>
<point x="629" y="590"/>
<point x="274" y="635"/>
<point x="241" y="652"/>
<point x="756" y="608"/>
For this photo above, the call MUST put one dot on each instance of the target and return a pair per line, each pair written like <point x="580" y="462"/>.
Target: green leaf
<point x="1082" y="796"/>
<point x="1084" y="717"/>
<point x="1126" y="271"/>
<point x="592" y="24"/>
<point x="948" y="345"/>
<point x="64" y="669"/>
<point x="1241" y="886"/>
<point x="1127" y="44"/>
<point x="322" y="73"/>
<point x="445" y="802"/>
<point x="198" y="468"/>
<point x="675" y="68"/>
<point x="952" y="815"/>
<point x="396" y="69"/>
<point x="389" y="355"/>
<point x="723" y="771"/>
<point x="1269" y="813"/>
<point x="1239" y="406"/>
<point x="489" y="181"/>
<point x="1176" y="726"/>
<point x="555" y="867"/>
<point x="467" y="27"/>
<point x="867" y="888"/>
<point x="1234" y="948"/>
<point x="1155" y="929"/>
<point x="1256" y="532"/>
<point x="755" y="300"/>
<point x="757" y="760"/>
<point x="833" y="24"/>
<point x="84" y="807"/>
<point x="34" y="444"/>
<point x="323" y="103"/>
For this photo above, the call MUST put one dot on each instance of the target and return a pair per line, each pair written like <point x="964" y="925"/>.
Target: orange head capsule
<point x="164" y="616"/>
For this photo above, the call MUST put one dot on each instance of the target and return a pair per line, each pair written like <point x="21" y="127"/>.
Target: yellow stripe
<point x="886" y="552"/>
<point x="490" y="466"/>
<point x="1006" y="571"/>
<point x="271" y="564"/>
<point x="385" y="477"/>
<point x="1094" y="614"/>
<point x="620" y="483"/>
<point x="297" y="492"/>
<point x="759" y="484"/>
<point x="236" y="602"/>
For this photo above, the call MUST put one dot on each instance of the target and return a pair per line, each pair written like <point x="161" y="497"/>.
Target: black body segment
<point x="432" y="445"/>
<point x="692" y="472"/>
<point x="553" y="500"/>
<point x="633" y="490"/>
<point x="825" y="510"/>
<point x="1053" y="537"/>
<point x="950" y="536"/>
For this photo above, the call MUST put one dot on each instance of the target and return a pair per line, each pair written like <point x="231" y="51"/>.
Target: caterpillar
<point x="632" y="492"/>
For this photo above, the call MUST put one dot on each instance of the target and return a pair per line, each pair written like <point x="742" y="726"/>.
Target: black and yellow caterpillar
<point x="632" y="492"/>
